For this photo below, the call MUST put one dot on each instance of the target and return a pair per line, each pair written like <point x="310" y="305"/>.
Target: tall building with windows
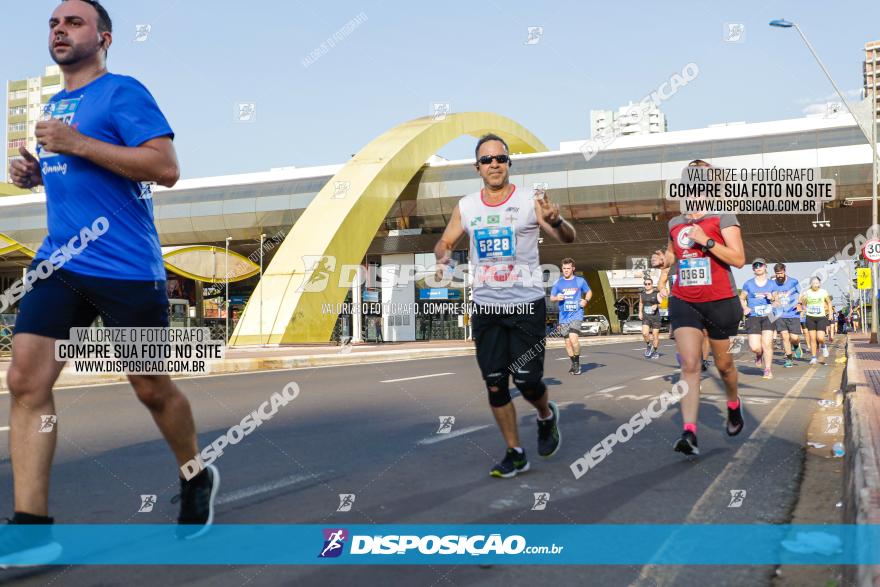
<point x="24" y="100"/>
<point x="872" y="71"/>
<point x="627" y="121"/>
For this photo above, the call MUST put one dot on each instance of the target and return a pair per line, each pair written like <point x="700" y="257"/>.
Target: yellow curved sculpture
<point x="337" y="227"/>
<point x="206" y="263"/>
<point x="203" y="263"/>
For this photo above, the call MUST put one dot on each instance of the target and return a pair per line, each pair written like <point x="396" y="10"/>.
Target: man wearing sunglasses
<point x="503" y="223"/>
<point x="649" y="314"/>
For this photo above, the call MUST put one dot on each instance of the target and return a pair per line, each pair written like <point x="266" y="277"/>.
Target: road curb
<point x="70" y="378"/>
<point x="862" y="471"/>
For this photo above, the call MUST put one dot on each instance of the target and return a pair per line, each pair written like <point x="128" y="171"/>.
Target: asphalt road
<point x="371" y="430"/>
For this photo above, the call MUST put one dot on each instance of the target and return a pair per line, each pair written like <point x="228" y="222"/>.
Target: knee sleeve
<point x="500" y="397"/>
<point x="530" y="385"/>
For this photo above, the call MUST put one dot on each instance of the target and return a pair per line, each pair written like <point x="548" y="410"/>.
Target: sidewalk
<point x="248" y="359"/>
<point x="862" y="422"/>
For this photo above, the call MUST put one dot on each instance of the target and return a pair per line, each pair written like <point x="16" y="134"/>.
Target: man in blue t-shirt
<point x="786" y="312"/>
<point x="572" y="293"/>
<point x="100" y="142"/>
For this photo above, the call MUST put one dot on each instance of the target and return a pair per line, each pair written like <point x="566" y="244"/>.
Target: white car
<point x="594" y="325"/>
<point x="632" y="325"/>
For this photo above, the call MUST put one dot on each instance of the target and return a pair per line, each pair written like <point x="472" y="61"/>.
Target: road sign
<point x="863" y="278"/>
<point x="871" y="250"/>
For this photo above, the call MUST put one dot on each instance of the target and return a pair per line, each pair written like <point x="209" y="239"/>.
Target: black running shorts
<point x="817" y="323"/>
<point x="720" y="318"/>
<point x="66" y="300"/>
<point x="510" y="339"/>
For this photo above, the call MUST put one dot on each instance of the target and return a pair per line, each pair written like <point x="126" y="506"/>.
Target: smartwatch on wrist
<point x="558" y="223"/>
<point x="709" y="244"/>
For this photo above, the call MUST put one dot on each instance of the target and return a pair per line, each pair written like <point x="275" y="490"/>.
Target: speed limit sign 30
<point x="871" y="251"/>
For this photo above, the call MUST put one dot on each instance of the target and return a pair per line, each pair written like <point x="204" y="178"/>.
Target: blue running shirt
<point x="115" y="109"/>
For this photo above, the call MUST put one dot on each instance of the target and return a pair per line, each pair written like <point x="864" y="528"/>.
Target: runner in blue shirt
<point x="757" y="297"/>
<point x="101" y="139"/>
<point x="572" y="293"/>
<point x="786" y="311"/>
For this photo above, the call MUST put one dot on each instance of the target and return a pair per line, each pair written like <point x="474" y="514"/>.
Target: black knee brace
<point x="500" y="397"/>
<point x="530" y="384"/>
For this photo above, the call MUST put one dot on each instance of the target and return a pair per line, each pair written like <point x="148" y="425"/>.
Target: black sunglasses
<point x="756" y="265"/>
<point x="487" y="159"/>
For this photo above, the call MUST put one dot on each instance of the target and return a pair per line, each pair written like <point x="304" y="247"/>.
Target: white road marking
<point x="706" y="509"/>
<point x="460" y="432"/>
<point x="4" y="428"/>
<point x="416" y="377"/>
<point x="652" y="377"/>
<point x="610" y="389"/>
<point x="606" y="390"/>
<point x="263" y="488"/>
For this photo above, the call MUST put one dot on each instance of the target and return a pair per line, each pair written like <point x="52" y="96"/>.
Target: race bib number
<point x="694" y="272"/>
<point x="649" y="309"/>
<point x="761" y="310"/>
<point x="495" y="244"/>
<point x="814" y="309"/>
<point x="570" y="306"/>
<point x="62" y="110"/>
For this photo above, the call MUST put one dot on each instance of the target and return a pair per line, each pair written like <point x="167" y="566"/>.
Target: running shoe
<point x="687" y="444"/>
<point x="813" y="361"/>
<point x="798" y="352"/>
<point x="649" y="350"/>
<point x="759" y="359"/>
<point x="825" y="351"/>
<point x="788" y="363"/>
<point x="576" y="369"/>
<point x="705" y="365"/>
<point x="735" y="421"/>
<point x="767" y="374"/>
<point x="196" y="499"/>
<point x="549" y="439"/>
<point x="656" y="355"/>
<point x="571" y="370"/>
<point x="514" y="462"/>
<point x="27" y="545"/>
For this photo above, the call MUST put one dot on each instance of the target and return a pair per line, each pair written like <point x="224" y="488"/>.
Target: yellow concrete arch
<point x="337" y="227"/>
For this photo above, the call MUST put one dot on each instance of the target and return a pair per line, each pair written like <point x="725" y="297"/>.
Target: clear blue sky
<point x="203" y="56"/>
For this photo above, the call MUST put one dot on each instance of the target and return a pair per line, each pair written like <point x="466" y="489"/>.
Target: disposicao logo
<point x="334" y="542"/>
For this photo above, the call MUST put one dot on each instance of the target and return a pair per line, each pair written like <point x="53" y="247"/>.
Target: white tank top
<point x="503" y="248"/>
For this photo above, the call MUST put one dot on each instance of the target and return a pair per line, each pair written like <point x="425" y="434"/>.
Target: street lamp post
<point x="226" y="278"/>
<point x="262" y="238"/>
<point x="872" y="141"/>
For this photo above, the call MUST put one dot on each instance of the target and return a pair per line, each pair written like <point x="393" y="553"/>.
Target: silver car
<point x="594" y="325"/>
<point x="632" y="325"/>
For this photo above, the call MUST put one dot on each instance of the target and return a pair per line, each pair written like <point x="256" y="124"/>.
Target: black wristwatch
<point x="709" y="244"/>
<point x="558" y="223"/>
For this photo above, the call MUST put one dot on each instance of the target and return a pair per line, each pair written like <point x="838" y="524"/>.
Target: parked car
<point x="594" y="325"/>
<point x="632" y="325"/>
